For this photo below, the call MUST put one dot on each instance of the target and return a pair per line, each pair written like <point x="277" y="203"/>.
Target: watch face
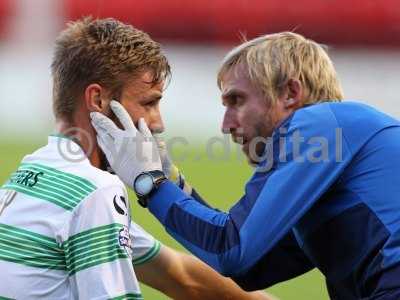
<point x="143" y="184"/>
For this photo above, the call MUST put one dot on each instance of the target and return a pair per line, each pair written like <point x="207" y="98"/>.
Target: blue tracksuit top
<point x="327" y="195"/>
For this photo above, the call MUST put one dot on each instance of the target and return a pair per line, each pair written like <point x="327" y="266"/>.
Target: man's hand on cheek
<point x="129" y="151"/>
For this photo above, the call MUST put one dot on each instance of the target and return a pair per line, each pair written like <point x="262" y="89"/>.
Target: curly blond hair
<point x="103" y="51"/>
<point x="272" y="60"/>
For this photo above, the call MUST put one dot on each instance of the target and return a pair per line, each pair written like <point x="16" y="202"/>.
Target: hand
<point x="130" y="151"/>
<point x="169" y="168"/>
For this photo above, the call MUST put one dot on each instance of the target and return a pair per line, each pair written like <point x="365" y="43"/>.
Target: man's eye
<point x="152" y="103"/>
<point x="234" y="100"/>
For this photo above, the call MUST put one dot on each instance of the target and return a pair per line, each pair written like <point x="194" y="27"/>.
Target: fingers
<point x="102" y="123"/>
<point x="160" y="141"/>
<point x="103" y="146"/>
<point x="144" y="130"/>
<point x="122" y="115"/>
<point x="100" y="130"/>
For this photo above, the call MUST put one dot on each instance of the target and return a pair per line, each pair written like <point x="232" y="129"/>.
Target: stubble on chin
<point x="254" y="149"/>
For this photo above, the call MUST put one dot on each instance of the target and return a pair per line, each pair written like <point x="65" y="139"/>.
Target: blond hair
<point x="103" y="51"/>
<point x="272" y="60"/>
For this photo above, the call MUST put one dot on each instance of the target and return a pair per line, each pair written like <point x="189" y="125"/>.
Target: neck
<point x="84" y="135"/>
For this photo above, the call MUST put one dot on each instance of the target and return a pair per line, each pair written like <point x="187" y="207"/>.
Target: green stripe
<point x="98" y="260"/>
<point x="58" y="185"/>
<point x="29" y="248"/>
<point x="43" y="196"/>
<point x="60" y="188"/>
<point x="93" y="247"/>
<point x="30" y="260"/>
<point x="80" y="253"/>
<point x="60" y="135"/>
<point x="129" y="296"/>
<point x="31" y="263"/>
<point x="82" y="236"/>
<point x="71" y="178"/>
<point x="30" y="235"/>
<point x="5" y="298"/>
<point x="54" y="174"/>
<point x="149" y="255"/>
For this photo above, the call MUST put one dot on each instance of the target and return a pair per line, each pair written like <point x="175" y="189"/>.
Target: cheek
<point x="249" y="118"/>
<point x="135" y="111"/>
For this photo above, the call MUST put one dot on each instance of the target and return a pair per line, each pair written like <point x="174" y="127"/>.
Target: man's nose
<point x="156" y="123"/>
<point x="229" y="122"/>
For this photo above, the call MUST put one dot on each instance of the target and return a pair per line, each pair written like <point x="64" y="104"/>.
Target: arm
<point x="286" y="260"/>
<point x="276" y="197"/>
<point x="179" y="275"/>
<point x="273" y="203"/>
<point x="182" y="276"/>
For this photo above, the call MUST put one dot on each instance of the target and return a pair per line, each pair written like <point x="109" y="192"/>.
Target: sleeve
<point x="144" y="246"/>
<point x="97" y="247"/>
<point x="303" y="162"/>
<point x="286" y="260"/>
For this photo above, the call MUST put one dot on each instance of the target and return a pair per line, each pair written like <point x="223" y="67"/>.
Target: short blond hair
<point x="103" y="51"/>
<point x="271" y="60"/>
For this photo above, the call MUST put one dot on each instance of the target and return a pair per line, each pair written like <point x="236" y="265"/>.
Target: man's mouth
<point x="239" y="140"/>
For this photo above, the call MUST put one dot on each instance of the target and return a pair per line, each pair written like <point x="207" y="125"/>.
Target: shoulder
<point x="108" y="188"/>
<point x="73" y="182"/>
<point x="352" y="123"/>
<point x="105" y="205"/>
<point x="345" y="114"/>
<point x="81" y="173"/>
<point x="356" y="120"/>
<point x="99" y="178"/>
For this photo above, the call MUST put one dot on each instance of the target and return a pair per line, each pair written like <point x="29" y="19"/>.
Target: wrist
<point x="146" y="184"/>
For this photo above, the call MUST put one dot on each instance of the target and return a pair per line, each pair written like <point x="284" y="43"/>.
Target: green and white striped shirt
<point x="66" y="233"/>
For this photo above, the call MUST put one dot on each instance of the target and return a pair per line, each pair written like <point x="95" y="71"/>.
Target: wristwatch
<point x="146" y="183"/>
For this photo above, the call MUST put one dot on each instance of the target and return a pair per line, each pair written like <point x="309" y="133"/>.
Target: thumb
<point x="144" y="130"/>
<point x="162" y="146"/>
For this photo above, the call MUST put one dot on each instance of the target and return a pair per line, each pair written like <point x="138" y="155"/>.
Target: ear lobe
<point x="94" y="95"/>
<point x="290" y="102"/>
<point x="295" y="91"/>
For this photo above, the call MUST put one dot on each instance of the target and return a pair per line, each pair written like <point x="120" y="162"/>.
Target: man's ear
<point x="294" y="95"/>
<point x="96" y="99"/>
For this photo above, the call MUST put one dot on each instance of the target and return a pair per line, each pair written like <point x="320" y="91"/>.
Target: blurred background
<point x="363" y="38"/>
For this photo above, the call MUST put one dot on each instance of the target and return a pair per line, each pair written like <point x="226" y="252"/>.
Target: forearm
<point x="182" y="276"/>
<point x="170" y="205"/>
<point x="204" y="283"/>
<point x="231" y="243"/>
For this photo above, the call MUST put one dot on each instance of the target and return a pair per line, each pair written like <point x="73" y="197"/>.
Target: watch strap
<point x="158" y="178"/>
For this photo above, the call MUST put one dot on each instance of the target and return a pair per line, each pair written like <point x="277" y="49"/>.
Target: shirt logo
<point x="124" y="240"/>
<point x="27" y="178"/>
<point x="120" y="205"/>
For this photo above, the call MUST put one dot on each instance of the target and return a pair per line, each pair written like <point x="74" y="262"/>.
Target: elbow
<point x="191" y="289"/>
<point x="231" y="259"/>
<point x="230" y="263"/>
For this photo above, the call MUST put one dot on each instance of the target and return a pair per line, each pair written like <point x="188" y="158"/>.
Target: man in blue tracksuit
<point x="326" y="189"/>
